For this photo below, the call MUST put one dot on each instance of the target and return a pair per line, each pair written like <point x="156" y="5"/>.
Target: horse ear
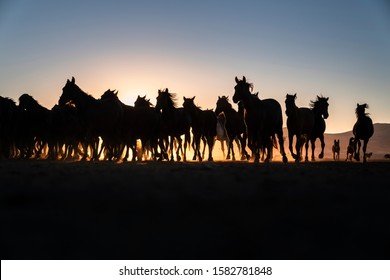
<point x="166" y="90"/>
<point x="244" y="79"/>
<point x="327" y="98"/>
<point x="357" y="104"/>
<point x="193" y="98"/>
<point x="73" y="80"/>
<point x="236" y="80"/>
<point x="295" y="95"/>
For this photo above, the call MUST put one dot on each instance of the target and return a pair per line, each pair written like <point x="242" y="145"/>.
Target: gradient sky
<point x="340" y="49"/>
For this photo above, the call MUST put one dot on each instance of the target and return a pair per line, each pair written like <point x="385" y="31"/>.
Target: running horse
<point x="175" y="122"/>
<point x="362" y="130"/>
<point x="235" y="126"/>
<point x="263" y="119"/>
<point x="320" y="110"/>
<point x="100" y="118"/>
<point x="204" y="125"/>
<point x="300" y="123"/>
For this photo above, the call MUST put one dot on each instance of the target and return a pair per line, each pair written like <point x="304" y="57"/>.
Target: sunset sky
<point x="338" y="49"/>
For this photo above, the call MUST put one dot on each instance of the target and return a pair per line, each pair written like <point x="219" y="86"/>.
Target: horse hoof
<point x="321" y="155"/>
<point x="294" y="156"/>
<point x="285" y="160"/>
<point x="228" y="157"/>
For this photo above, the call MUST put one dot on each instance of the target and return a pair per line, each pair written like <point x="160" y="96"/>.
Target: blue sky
<point x="340" y="49"/>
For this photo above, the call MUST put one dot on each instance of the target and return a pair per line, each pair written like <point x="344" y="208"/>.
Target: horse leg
<point x="357" y="150"/>
<point x="365" y="142"/>
<point x="321" y="155"/>
<point x="290" y="147"/>
<point x="281" y="145"/>
<point x="307" y="149"/>
<point x="297" y="157"/>
<point x="171" y="140"/>
<point x="232" y="148"/>
<point x="204" y="146"/>
<point x="229" y="145"/>
<point x="179" y="148"/>
<point x="222" y="148"/>
<point x="210" y="143"/>
<point x="313" y="148"/>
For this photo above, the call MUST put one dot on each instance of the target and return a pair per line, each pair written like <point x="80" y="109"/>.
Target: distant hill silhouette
<point x="379" y="143"/>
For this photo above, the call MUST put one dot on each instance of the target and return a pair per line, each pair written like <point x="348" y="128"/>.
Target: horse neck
<point x="293" y="111"/>
<point x="317" y="113"/>
<point x="249" y="102"/>
<point x="36" y="107"/>
<point x="84" y="100"/>
<point x="362" y="116"/>
<point x="196" y="112"/>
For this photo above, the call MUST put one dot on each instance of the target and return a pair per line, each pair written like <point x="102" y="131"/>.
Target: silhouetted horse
<point x="222" y="135"/>
<point x="8" y="112"/>
<point x="142" y="102"/>
<point x="350" y="148"/>
<point x="99" y="117"/>
<point x="67" y="131"/>
<point x="39" y="130"/>
<point x="362" y="130"/>
<point x="300" y="123"/>
<point x="320" y="110"/>
<point x="175" y="122"/>
<point x="336" y="149"/>
<point x="263" y="120"/>
<point x="204" y="124"/>
<point x="235" y="126"/>
<point x="141" y="122"/>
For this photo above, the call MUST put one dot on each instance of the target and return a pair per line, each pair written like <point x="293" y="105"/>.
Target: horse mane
<point x="171" y="96"/>
<point x="73" y="82"/>
<point x="9" y="101"/>
<point x="319" y="98"/>
<point x="365" y="106"/>
<point x="30" y="99"/>
<point x="226" y="101"/>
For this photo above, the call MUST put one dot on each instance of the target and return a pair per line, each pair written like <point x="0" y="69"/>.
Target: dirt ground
<point x="176" y="210"/>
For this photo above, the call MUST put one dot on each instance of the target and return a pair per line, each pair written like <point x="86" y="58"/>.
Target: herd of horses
<point x="81" y="127"/>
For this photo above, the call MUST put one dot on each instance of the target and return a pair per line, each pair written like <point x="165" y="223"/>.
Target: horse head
<point x="68" y="92"/>
<point x="27" y="102"/>
<point x="242" y="89"/>
<point x="223" y="104"/>
<point x="290" y="103"/>
<point x="110" y="94"/>
<point x="189" y="104"/>
<point x="361" y="109"/>
<point x="320" y="106"/>
<point x="165" y="100"/>
<point x="142" y="102"/>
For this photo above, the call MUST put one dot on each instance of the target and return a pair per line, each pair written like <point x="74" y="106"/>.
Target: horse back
<point x="273" y="114"/>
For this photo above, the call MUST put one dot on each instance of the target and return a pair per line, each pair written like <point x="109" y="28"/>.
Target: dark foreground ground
<point x="221" y="210"/>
